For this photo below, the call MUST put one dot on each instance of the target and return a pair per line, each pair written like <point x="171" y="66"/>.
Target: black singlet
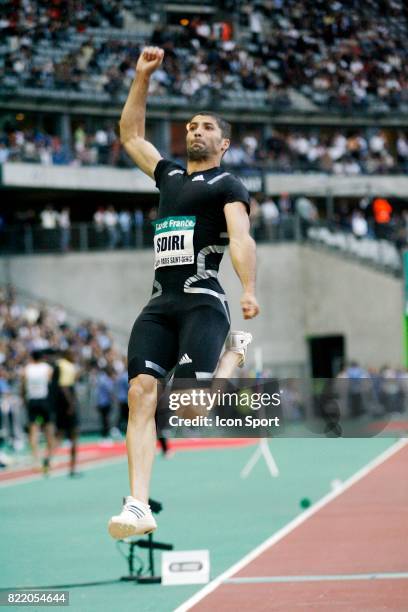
<point x="190" y="231"/>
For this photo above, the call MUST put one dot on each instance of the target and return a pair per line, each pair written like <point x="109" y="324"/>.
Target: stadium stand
<point x="352" y="152"/>
<point x="342" y="55"/>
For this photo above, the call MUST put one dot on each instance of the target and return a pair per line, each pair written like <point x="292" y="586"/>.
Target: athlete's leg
<point x="33" y="430"/>
<point x="234" y="354"/>
<point x="49" y="436"/>
<point x="141" y="434"/>
<point x="136" y="517"/>
<point x="203" y="332"/>
<point x="227" y="364"/>
<point x="152" y="353"/>
<point x="202" y="335"/>
<point x="73" y="437"/>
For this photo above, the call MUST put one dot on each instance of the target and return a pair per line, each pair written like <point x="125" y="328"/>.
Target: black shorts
<point x="188" y="336"/>
<point x="38" y="409"/>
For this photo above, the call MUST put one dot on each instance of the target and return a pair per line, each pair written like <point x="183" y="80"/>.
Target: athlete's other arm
<point x="132" y="121"/>
<point x="243" y="255"/>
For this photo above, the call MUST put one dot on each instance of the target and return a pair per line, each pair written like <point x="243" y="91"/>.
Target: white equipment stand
<point x="262" y="449"/>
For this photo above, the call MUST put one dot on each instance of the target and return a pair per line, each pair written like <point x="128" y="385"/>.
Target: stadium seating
<point x="341" y="56"/>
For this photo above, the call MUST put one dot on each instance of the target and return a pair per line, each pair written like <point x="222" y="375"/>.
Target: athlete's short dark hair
<point x="224" y="126"/>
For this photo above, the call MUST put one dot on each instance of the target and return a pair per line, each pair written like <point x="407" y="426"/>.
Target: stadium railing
<point x="87" y="237"/>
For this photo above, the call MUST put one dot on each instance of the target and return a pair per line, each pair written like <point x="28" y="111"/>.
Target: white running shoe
<point x="136" y="518"/>
<point x="238" y="342"/>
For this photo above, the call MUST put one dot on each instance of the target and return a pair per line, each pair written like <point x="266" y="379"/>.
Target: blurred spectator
<point x="125" y="222"/>
<point x="390" y="391"/>
<point x="110" y="220"/>
<point x="4" y="153"/>
<point x="382" y="211"/>
<point x="121" y="395"/>
<point x="285" y="205"/>
<point x="64" y="222"/>
<point x="402" y="151"/>
<point x="307" y="212"/>
<point x="99" y="222"/>
<point x="104" y="399"/>
<point x="236" y="156"/>
<point x="49" y="222"/>
<point x="359" y="225"/>
<point x="356" y="374"/>
<point x="270" y="216"/>
<point x="49" y="218"/>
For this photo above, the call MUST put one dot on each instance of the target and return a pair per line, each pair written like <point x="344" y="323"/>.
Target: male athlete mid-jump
<point x="186" y="322"/>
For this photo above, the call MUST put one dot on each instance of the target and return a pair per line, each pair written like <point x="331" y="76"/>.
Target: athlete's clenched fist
<point x="149" y="60"/>
<point x="249" y="306"/>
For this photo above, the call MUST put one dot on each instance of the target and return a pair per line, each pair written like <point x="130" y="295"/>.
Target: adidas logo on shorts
<point x="185" y="359"/>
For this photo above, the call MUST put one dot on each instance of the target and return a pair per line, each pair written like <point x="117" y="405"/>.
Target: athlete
<point x="66" y="407"/>
<point x="35" y="391"/>
<point x="186" y="322"/>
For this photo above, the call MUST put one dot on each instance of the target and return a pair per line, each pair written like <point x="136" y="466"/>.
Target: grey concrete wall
<point x="302" y="292"/>
<point x="363" y="304"/>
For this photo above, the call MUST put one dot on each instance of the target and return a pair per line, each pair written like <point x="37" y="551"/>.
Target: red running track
<point x="93" y="453"/>
<point x="351" y="555"/>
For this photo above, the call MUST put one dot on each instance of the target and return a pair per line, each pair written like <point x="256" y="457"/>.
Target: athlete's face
<point x="204" y="139"/>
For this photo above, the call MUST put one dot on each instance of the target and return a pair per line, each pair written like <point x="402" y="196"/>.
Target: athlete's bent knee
<point x="142" y="394"/>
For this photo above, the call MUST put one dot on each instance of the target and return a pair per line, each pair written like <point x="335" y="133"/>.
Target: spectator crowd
<point x="375" y="219"/>
<point x="37" y="146"/>
<point x="31" y="328"/>
<point x="343" y="54"/>
<point x="337" y="152"/>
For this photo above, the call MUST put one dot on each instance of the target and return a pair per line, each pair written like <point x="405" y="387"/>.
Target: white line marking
<point x="63" y="471"/>
<point x="321" y="578"/>
<point x="279" y="535"/>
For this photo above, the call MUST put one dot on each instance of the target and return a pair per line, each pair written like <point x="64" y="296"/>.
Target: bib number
<point x="173" y="241"/>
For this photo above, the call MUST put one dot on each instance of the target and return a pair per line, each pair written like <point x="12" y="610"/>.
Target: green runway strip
<point x="53" y="531"/>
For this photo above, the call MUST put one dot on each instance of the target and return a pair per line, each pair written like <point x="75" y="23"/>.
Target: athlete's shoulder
<point x="231" y="188"/>
<point x="166" y="167"/>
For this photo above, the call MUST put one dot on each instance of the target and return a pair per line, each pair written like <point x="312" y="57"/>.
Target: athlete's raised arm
<point x="243" y="255"/>
<point x="132" y="121"/>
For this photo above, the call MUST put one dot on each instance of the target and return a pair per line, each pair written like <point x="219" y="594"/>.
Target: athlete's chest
<point x="183" y="195"/>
